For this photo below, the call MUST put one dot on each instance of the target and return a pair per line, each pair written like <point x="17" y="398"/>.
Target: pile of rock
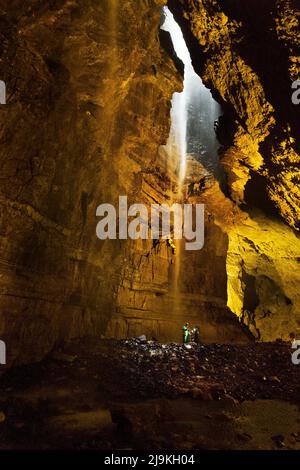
<point x="209" y="371"/>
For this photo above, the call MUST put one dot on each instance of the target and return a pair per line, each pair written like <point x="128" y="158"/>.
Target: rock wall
<point x="248" y="54"/>
<point x="88" y="112"/>
<point x="87" y="119"/>
<point x="89" y="91"/>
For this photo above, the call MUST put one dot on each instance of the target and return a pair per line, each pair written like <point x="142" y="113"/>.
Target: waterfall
<point x="194" y="111"/>
<point x="178" y="131"/>
<point x="193" y="116"/>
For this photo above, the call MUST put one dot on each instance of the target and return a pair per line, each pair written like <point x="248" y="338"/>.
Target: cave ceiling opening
<point x="195" y="113"/>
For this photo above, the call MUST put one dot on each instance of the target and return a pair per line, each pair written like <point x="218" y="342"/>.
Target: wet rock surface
<point x="146" y="395"/>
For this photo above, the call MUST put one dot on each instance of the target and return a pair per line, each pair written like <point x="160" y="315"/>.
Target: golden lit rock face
<point x="88" y="113"/>
<point x="287" y="29"/>
<point x="89" y="90"/>
<point x="249" y="54"/>
<point x="87" y="119"/>
<point x="262" y="266"/>
<point x="263" y="277"/>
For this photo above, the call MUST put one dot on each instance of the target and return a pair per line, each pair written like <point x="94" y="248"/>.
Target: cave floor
<point x="143" y="395"/>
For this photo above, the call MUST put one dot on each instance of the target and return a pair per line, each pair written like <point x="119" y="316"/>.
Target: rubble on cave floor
<point x="146" y="369"/>
<point x="215" y="371"/>
<point x="90" y="393"/>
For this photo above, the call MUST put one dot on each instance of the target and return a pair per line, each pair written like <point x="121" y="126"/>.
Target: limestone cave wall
<point x="248" y="55"/>
<point x="87" y="118"/>
<point x="88" y="110"/>
<point x="89" y="89"/>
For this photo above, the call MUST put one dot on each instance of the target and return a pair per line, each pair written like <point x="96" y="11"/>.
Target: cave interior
<point x="167" y="103"/>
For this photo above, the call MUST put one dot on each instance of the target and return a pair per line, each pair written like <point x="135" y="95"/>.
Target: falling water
<point x="194" y="111"/>
<point x="193" y="116"/>
<point x="178" y="134"/>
